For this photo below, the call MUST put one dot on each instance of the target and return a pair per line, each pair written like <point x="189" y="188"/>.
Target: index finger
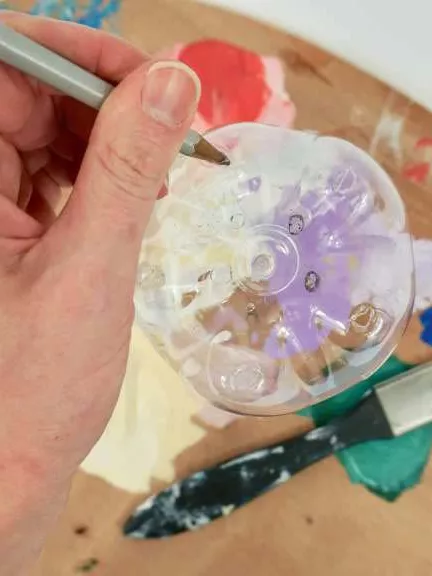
<point x="27" y="117"/>
<point x="98" y="52"/>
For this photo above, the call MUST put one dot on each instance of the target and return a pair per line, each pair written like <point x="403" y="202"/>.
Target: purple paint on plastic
<point x="301" y="307"/>
<point x="255" y="183"/>
<point x="331" y="242"/>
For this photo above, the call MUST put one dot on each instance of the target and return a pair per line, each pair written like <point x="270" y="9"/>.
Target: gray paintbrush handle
<point x="35" y="60"/>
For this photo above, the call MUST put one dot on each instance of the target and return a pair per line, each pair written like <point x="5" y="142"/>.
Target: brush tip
<point x="206" y="151"/>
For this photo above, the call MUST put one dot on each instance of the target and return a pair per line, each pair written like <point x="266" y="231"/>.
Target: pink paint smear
<point x="237" y="85"/>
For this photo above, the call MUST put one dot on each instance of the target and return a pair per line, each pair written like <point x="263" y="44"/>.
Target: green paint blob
<point x="389" y="467"/>
<point x="385" y="467"/>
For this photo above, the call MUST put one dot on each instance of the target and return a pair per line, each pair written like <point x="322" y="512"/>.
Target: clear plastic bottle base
<point x="280" y="280"/>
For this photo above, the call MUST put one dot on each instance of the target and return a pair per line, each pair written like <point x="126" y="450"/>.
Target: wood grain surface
<point x="317" y="523"/>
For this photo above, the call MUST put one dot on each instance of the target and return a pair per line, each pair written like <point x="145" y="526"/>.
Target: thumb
<point x="134" y="141"/>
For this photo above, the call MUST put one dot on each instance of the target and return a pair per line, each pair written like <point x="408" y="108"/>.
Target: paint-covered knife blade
<point x="395" y="407"/>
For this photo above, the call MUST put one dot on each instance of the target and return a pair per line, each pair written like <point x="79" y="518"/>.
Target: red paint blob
<point x="233" y="81"/>
<point x="417" y="172"/>
<point x="424" y="142"/>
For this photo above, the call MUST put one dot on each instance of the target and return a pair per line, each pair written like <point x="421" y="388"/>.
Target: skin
<point x="67" y="281"/>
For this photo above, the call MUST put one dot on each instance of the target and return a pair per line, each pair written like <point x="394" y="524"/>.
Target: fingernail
<point x="170" y="93"/>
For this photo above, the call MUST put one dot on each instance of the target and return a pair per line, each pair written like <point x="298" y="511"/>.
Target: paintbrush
<point x="393" y="408"/>
<point x="37" y="61"/>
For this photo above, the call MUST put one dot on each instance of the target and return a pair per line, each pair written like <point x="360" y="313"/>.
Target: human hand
<point x="67" y="282"/>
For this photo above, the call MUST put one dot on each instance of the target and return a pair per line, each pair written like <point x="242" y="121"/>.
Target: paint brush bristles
<point x="206" y="151"/>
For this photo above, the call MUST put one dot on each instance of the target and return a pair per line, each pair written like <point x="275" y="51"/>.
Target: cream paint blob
<point x="150" y="426"/>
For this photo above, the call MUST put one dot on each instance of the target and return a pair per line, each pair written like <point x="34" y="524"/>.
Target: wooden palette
<point x="318" y="523"/>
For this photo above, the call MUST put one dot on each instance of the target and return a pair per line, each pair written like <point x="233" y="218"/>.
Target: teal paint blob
<point x="389" y="467"/>
<point x="385" y="467"/>
<point x="93" y="13"/>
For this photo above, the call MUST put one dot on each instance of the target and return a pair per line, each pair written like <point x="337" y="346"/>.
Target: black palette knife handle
<point x="220" y="490"/>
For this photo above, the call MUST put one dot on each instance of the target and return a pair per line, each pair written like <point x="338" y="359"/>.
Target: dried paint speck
<point x="87" y="566"/>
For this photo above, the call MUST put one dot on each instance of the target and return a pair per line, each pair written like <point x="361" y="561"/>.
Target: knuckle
<point x="133" y="166"/>
<point x="9" y="156"/>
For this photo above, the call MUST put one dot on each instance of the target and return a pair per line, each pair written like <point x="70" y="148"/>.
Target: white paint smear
<point x="423" y="273"/>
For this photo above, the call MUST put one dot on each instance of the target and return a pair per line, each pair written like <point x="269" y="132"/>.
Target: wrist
<point x="29" y="507"/>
